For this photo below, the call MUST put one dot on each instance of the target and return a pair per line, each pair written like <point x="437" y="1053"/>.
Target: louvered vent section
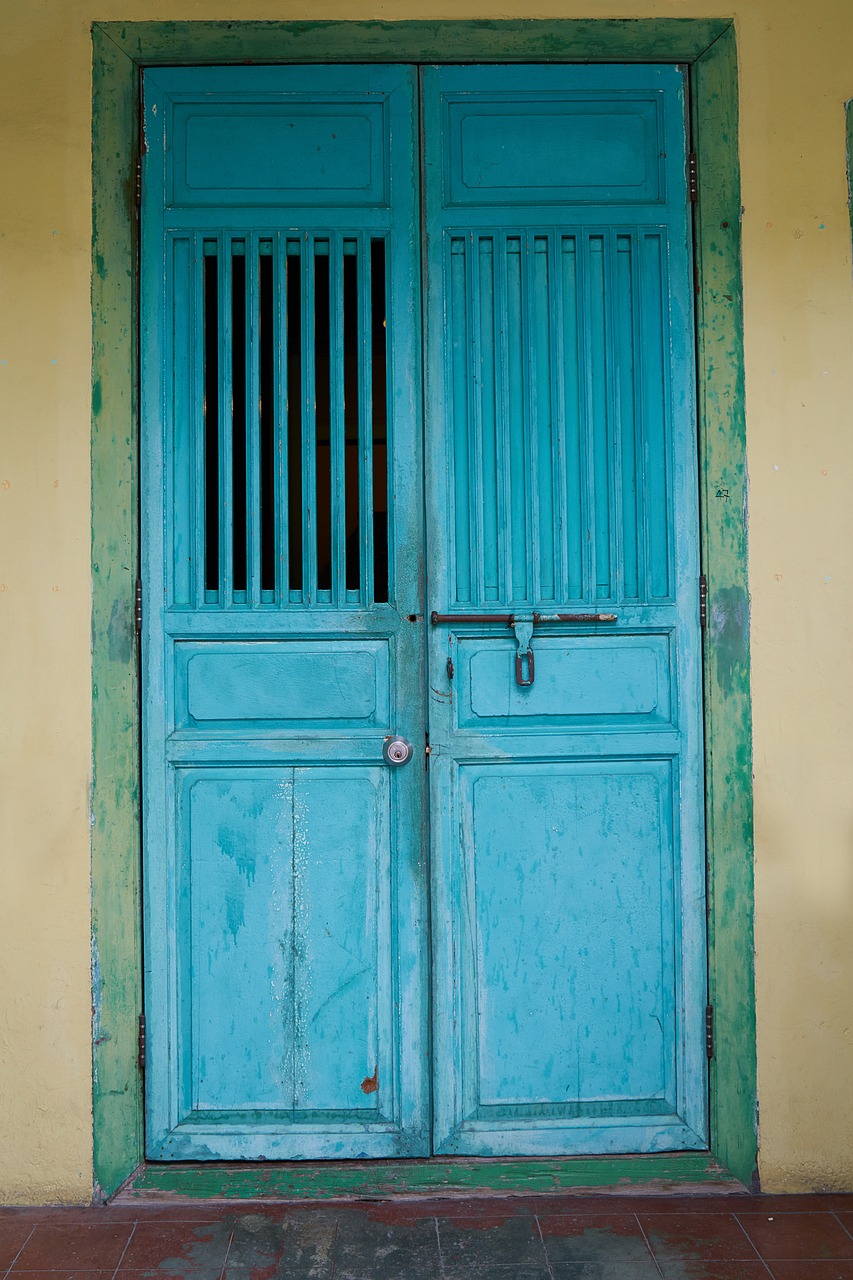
<point x="287" y="464"/>
<point x="558" y="368"/>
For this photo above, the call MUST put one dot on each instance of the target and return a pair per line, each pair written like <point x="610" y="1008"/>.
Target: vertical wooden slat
<point x="486" y="372"/>
<point x="383" y="401"/>
<point x="625" y="349"/>
<point x="226" y="471"/>
<point x="542" y="425"/>
<point x="502" y="445"/>
<point x="476" y="495"/>
<point x="530" y="415"/>
<point x="558" y="415"/>
<point x="353" y="374"/>
<point x="457" y="273"/>
<point x="365" y="418"/>
<point x="515" y="414"/>
<point x="253" y="424"/>
<point x="653" y="418"/>
<point x="337" y="441"/>
<point x="613" y="420"/>
<point x="280" y="418"/>
<point x="198" y="461"/>
<point x="573" y="411"/>
<point x="637" y="412"/>
<point x="309" y="426"/>
<point x="596" y="366"/>
<point x="180" y="485"/>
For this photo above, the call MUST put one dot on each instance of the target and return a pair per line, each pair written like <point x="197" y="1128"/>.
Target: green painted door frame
<point x="120" y="51"/>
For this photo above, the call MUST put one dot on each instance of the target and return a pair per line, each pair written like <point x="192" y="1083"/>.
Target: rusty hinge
<point x="709" y="1031"/>
<point x="450" y="668"/>
<point x="141" y="1056"/>
<point x="138" y="182"/>
<point x="692" y="178"/>
<point x="703" y="601"/>
<point x="137" y="608"/>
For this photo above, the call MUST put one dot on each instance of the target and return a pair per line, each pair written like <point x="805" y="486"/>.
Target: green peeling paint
<point x="120" y="50"/>
<point x="424" y="1177"/>
<point x="850" y="157"/>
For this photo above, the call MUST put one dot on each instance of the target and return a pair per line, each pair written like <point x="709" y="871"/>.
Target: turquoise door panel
<point x="566" y="792"/>
<point x="285" y="880"/>
<point x="338" y="965"/>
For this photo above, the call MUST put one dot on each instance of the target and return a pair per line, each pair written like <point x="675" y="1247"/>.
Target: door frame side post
<point x="115" y="812"/>
<point x="120" y="51"/>
<point x="723" y="503"/>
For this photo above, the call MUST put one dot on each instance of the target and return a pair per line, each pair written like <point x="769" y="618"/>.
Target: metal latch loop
<point x="524" y="664"/>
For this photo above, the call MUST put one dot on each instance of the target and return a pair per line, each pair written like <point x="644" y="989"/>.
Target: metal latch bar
<point x="508" y="619"/>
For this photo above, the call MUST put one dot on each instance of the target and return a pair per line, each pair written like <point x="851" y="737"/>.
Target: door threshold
<point x="686" y="1173"/>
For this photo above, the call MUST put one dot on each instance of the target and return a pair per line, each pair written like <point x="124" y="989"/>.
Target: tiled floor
<point x="561" y="1237"/>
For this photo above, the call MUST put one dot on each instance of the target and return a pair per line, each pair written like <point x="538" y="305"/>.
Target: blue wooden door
<point x="285" y="867"/>
<point x="564" y="709"/>
<point x="542" y="639"/>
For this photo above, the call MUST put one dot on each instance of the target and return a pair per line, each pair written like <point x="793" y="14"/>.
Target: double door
<point x="422" y="738"/>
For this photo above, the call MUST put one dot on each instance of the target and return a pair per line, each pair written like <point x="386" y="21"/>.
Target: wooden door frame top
<point x="120" y="52"/>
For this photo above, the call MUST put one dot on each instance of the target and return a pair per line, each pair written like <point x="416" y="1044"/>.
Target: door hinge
<point x="709" y="1031"/>
<point x="138" y="183"/>
<point x="137" y="608"/>
<point x="692" y="178"/>
<point x="703" y="601"/>
<point x="141" y="1056"/>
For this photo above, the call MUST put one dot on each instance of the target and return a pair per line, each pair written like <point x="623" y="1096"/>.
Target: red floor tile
<point x="13" y="1235"/>
<point x="75" y="1247"/>
<point x="835" y="1270"/>
<point x="703" y="1269"/>
<point x="196" y="1246"/>
<point x="61" y="1274"/>
<point x="697" y="1235"/>
<point x="593" y="1237"/>
<point x="797" y="1235"/>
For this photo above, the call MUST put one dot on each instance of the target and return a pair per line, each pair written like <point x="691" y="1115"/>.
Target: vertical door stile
<point x="476" y="491"/>
<point x="558" y="417"/>
<point x="365" y="418"/>
<point x="281" y="416"/>
<point x="504" y="447"/>
<point x="253" y="423"/>
<point x="337" y="442"/>
<point x="309" y="420"/>
<point x="226" y="421"/>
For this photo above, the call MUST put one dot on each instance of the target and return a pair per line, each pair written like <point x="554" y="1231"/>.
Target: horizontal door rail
<point x="509" y="619"/>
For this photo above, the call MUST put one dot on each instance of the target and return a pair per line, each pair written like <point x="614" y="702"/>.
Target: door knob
<point x="397" y="750"/>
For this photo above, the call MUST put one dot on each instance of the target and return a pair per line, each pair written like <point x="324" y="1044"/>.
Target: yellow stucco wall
<point x="796" y="61"/>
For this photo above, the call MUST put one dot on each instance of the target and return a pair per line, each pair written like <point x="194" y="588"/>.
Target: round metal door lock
<point x="397" y="750"/>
